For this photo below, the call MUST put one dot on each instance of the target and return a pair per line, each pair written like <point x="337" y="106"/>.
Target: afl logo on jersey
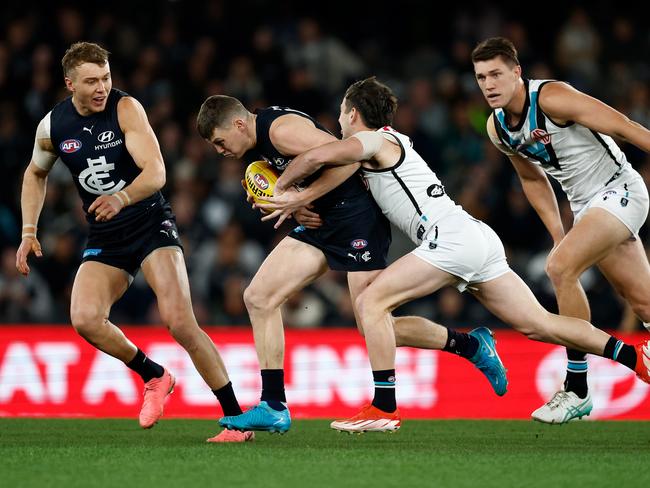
<point x="540" y="135"/>
<point x="261" y="181"/>
<point x="359" y="243"/>
<point x="70" y="145"/>
<point x="106" y="136"/>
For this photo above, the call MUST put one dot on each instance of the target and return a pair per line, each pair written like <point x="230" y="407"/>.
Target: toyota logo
<point x="106" y="136"/>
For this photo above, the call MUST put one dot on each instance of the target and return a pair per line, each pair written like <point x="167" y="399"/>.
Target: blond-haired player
<point x="102" y="135"/>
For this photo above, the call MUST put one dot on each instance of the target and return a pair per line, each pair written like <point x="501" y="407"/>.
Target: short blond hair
<point x="83" y="52"/>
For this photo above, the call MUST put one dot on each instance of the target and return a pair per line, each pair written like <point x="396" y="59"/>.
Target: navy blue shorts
<point x="128" y="247"/>
<point x="355" y="235"/>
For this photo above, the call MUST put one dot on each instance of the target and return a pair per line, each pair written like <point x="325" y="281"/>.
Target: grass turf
<point x="116" y="452"/>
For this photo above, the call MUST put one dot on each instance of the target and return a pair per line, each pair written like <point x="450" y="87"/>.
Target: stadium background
<point x="171" y="55"/>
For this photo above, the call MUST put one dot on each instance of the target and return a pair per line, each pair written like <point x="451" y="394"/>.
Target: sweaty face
<point x="90" y="85"/>
<point x="498" y="81"/>
<point x="229" y="142"/>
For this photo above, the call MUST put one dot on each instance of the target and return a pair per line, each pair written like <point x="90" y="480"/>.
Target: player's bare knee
<point x="560" y="272"/>
<point x="179" y="320"/>
<point x="87" y="319"/>
<point x="366" y="303"/>
<point x="185" y="333"/>
<point x="259" y="300"/>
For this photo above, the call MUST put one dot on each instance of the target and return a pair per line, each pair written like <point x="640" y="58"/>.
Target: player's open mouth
<point x="493" y="96"/>
<point x="99" y="100"/>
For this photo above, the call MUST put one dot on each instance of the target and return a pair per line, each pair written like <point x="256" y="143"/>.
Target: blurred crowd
<point x="173" y="56"/>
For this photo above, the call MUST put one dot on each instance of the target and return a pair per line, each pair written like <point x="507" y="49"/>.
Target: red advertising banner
<point x="51" y="371"/>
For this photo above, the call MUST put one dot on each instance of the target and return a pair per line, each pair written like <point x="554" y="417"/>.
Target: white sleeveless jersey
<point x="583" y="161"/>
<point x="409" y="194"/>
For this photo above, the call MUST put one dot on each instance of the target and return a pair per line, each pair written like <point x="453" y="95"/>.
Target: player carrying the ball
<point x="348" y="234"/>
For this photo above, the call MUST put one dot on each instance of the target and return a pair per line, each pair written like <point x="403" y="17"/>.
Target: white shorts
<point x="464" y="247"/>
<point x="627" y="200"/>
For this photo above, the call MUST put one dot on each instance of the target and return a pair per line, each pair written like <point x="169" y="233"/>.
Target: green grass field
<point x="90" y="453"/>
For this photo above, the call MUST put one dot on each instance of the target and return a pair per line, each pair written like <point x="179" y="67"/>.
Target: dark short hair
<point x="83" y="52"/>
<point x="495" y="47"/>
<point x="216" y="112"/>
<point x="375" y="102"/>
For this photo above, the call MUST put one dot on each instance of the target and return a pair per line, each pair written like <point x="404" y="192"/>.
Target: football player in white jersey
<point x="546" y="126"/>
<point x="454" y="248"/>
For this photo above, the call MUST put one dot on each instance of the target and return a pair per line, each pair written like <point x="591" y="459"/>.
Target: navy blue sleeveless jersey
<point x="264" y="149"/>
<point x="94" y="150"/>
<point x="355" y="236"/>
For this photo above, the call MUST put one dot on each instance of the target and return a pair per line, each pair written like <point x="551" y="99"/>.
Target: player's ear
<point x="354" y="115"/>
<point x="68" y="84"/>
<point x="239" y="124"/>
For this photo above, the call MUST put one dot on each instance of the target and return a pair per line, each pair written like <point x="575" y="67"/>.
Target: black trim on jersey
<point x="541" y="161"/>
<point x="615" y="176"/>
<point x="541" y="123"/>
<point x="539" y="90"/>
<point x="407" y="191"/>
<point x="396" y="165"/>
<point x="399" y="180"/>
<point x="522" y="120"/>
<point x="396" y="176"/>
<point x="500" y="132"/>
<point x="604" y="144"/>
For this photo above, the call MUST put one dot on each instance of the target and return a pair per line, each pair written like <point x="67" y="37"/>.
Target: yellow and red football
<point x="259" y="179"/>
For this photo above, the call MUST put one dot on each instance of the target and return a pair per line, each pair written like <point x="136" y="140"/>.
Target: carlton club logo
<point x="261" y="181"/>
<point x="92" y="179"/>
<point x="70" y="145"/>
<point x="540" y="135"/>
<point x="615" y="390"/>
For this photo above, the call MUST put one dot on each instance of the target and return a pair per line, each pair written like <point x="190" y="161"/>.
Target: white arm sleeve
<point x="42" y="158"/>
<point x="371" y="142"/>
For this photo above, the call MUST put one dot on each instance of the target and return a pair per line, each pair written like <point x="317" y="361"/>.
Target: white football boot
<point x="562" y="407"/>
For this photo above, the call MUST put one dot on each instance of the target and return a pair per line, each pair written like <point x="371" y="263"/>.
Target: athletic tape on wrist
<point x="128" y="198"/>
<point x="117" y="195"/>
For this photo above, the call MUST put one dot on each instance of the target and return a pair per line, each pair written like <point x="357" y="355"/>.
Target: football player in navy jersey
<point x="353" y="236"/>
<point x="104" y="138"/>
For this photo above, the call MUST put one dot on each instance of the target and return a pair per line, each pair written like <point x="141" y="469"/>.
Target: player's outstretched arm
<point x="143" y="147"/>
<point x="345" y="154"/>
<point x="563" y="103"/>
<point x="338" y="153"/>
